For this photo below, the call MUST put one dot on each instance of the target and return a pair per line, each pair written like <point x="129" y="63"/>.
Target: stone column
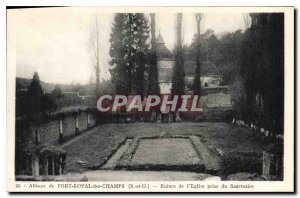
<point x="267" y="162"/>
<point x="76" y="125"/>
<point x="88" y="120"/>
<point x="60" y="166"/>
<point x="153" y="116"/>
<point x="37" y="136"/>
<point x="35" y="166"/>
<point x="46" y="166"/>
<point x="159" y="116"/>
<point x="53" y="166"/>
<point x="61" y="135"/>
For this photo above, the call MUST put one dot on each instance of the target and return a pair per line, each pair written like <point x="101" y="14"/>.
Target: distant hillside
<point x="48" y="87"/>
<point x="105" y="87"/>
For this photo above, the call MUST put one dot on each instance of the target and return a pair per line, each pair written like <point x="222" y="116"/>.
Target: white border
<point x="112" y="3"/>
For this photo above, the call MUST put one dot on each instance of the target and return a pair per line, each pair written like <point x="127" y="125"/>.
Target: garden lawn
<point x="174" y="151"/>
<point x="96" y="146"/>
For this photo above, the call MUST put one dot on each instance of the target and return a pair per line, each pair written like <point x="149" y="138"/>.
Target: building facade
<point x="210" y="76"/>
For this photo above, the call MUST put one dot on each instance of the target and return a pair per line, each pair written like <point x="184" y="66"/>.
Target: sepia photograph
<point x="150" y="99"/>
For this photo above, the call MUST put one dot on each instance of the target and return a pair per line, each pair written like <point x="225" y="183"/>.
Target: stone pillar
<point x="177" y="116"/>
<point x="46" y="167"/>
<point x="76" y="125"/>
<point x="61" y="135"/>
<point x="153" y="116"/>
<point x="53" y="166"/>
<point x="267" y="162"/>
<point x="35" y="166"/>
<point x="60" y="166"/>
<point x="88" y="120"/>
<point x="158" y="118"/>
<point x="37" y="136"/>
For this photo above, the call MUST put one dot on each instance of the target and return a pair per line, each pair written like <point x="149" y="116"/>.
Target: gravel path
<point x="113" y="161"/>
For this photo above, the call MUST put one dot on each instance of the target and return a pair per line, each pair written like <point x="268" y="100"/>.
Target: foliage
<point x="34" y="101"/>
<point x="234" y="162"/>
<point x="34" y="94"/>
<point x="178" y="82"/>
<point x="197" y="82"/>
<point x="95" y="54"/>
<point x="153" y="86"/>
<point x="129" y="52"/>
<point x="224" y="52"/>
<point x="252" y="63"/>
<point x="57" y="93"/>
<point x="262" y="71"/>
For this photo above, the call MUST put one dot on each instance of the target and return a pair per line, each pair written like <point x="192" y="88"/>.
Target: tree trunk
<point x="197" y="80"/>
<point x="178" y="78"/>
<point x="153" y="87"/>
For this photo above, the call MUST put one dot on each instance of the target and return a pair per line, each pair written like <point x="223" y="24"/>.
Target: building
<point x="210" y="75"/>
<point x="165" y="63"/>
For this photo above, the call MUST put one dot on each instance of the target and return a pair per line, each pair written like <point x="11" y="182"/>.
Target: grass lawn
<point x="97" y="145"/>
<point x="166" y="150"/>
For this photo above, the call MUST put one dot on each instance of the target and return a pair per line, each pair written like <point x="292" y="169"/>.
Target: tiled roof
<point x="161" y="50"/>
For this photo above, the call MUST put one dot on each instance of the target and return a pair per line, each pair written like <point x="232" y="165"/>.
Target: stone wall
<point x="54" y="130"/>
<point x="68" y="126"/>
<point x="82" y="121"/>
<point x="217" y="100"/>
<point x="218" y="114"/>
<point x="50" y="131"/>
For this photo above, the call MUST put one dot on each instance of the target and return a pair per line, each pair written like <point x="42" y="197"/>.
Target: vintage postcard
<point x="150" y="99"/>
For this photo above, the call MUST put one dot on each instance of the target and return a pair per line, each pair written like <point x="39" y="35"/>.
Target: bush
<point x="275" y="148"/>
<point x="234" y="162"/>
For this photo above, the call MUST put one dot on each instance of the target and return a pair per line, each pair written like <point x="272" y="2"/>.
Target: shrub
<point x="275" y="148"/>
<point x="234" y="162"/>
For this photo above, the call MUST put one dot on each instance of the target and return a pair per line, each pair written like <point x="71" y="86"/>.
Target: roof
<point x="161" y="50"/>
<point x="207" y="68"/>
<point x="159" y="39"/>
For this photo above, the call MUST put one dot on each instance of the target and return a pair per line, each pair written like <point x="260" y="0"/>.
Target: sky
<point x="55" y="41"/>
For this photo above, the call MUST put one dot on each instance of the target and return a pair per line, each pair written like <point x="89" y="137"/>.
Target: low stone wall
<point x="63" y="127"/>
<point x="217" y="100"/>
<point x="41" y="131"/>
<point x="68" y="126"/>
<point x="218" y="114"/>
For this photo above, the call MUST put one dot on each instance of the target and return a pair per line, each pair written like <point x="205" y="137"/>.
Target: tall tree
<point x="153" y="87"/>
<point x="34" y="95"/>
<point x="117" y="53"/>
<point x="129" y="52"/>
<point x="178" y="77"/>
<point x="95" y="53"/>
<point x="178" y="81"/>
<point x="140" y="47"/>
<point x="262" y="71"/>
<point x="56" y="92"/>
<point x="197" y="80"/>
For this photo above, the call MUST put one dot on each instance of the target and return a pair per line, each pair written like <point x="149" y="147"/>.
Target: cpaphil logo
<point x="108" y="103"/>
